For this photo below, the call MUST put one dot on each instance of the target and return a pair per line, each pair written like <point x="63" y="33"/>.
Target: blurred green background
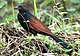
<point x="62" y="17"/>
<point x="58" y="13"/>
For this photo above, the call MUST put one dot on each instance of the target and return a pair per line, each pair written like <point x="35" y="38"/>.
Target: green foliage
<point x="19" y="1"/>
<point x="45" y="3"/>
<point x="8" y="18"/>
<point x="53" y="16"/>
<point x="35" y="8"/>
<point x="75" y="1"/>
<point x="3" y="3"/>
<point x="2" y="43"/>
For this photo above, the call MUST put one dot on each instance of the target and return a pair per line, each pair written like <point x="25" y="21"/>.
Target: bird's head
<point x="22" y="8"/>
<point x="24" y="11"/>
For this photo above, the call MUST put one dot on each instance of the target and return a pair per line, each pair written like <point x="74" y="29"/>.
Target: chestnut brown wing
<point x="38" y="26"/>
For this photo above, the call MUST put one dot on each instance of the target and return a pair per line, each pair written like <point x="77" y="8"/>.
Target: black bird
<point x="31" y="24"/>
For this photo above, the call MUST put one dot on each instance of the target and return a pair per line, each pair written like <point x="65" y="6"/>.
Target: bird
<point x="33" y="25"/>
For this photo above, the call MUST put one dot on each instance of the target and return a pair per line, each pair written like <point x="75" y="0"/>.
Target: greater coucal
<point x="31" y="24"/>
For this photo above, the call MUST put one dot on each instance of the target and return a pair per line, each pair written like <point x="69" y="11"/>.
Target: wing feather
<point x="39" y="26"/>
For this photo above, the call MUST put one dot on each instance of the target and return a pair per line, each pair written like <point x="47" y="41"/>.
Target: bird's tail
<point x="65" y="45"/>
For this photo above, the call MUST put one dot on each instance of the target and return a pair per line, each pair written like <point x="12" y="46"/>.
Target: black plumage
<point x="31" y="24"/>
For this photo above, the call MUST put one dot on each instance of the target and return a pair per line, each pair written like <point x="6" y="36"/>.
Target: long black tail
<point x="65" y="45"/>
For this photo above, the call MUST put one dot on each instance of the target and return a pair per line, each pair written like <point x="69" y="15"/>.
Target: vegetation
<point x="62" y="17"/>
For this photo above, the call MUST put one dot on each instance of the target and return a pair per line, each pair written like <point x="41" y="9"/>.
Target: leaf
<point x="35" y="8"/>
<point x="3" y="3"/>
<point x="45" y="3"/>
<point x="75" y="1"/>
<point x="71" y="9"/>
<point x="20" y="1"/>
